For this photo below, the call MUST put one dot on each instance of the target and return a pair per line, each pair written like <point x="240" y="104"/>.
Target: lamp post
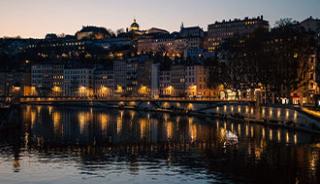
<point x="33" y="91"/>
<point x="15" y="90"/>
<point x="56" y="90"/>
<point x="143" y="90"/>
<point x="104" y="91"/>
<point x="119" y="89"/>
<point x="192" y="90"/>
<point x="169" y="90"/>
<point x="83" y="91"/>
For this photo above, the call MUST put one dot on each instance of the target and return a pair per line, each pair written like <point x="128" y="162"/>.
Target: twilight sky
<point x="35" y="18"/>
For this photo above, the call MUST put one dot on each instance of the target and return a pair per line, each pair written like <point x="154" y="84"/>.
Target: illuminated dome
<point x="134" y="26"/>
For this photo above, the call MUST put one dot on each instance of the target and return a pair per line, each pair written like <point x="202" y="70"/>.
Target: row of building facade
<point x="140" y="77"/>
<point x="193" y="41"/>
<point x="126" y="78"/>
<point x="187" y="42"/>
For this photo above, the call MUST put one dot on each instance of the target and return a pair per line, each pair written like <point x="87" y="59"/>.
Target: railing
<point x="181" y="99"/>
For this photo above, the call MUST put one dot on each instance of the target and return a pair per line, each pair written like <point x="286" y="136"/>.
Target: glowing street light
<point x="83" y="91"/>
<point x="119" y="89"/>
<point x="104" y="91"/>
<point x="143" y="90"/>
<point x="57" y="90"/>
<point x="169" y="90"/>
<point x="33" y="91"/>
<point x="192" y="90"/>
<point x="16" y="88"/>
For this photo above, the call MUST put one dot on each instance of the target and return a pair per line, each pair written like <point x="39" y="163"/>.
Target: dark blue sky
<point x="35" y="18"/>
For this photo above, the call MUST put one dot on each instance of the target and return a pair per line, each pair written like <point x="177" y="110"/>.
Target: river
<point x="94" y="145"/>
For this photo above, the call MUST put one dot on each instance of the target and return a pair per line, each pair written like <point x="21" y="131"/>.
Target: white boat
<point x="231" y="138"/>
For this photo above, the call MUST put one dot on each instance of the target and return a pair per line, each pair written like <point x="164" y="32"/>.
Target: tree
<point x="275" y="60"/>
<point x="285" y="22"/>
<point x="120" y="31"/>
<point x="112" y="34"/>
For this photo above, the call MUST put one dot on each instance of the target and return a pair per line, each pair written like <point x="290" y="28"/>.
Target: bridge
<point x="139" y="103"/>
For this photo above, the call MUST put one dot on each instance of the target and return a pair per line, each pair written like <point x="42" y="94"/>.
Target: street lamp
<point x="56" y="90"/>
<point x="83" y="91"/>
<point x="33" y="91"/>
<point x="119" y="89"/>
<point x="143" y="90"/>
<point x="104" y="91"/>
<point x="192" y="90"/>
<point x="169" y="90"/>
<point x="16" y="88"/>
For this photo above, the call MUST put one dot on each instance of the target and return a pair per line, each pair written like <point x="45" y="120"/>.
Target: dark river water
<point x="87" y="145"/>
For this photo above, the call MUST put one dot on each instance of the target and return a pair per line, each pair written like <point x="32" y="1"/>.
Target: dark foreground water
<point x="83" y="145"/>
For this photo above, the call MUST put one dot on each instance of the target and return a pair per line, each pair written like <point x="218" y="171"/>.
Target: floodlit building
<point x="104" y="84"/>
<point x="307" y="87"/>
<point x="194" y="38"/>
<point x="93" y="33"/>
<point x="165" y="83"/>
<point x="177" y="80"/>
<point x="155" y="83"/>
<point x="166" y="45"/>
<point x="196" y="81"/>
<point x="47" y="79"/>
<point x="78" y="82"/>
<point x="120" y="76"/>
<point x="15" y="83"/>
<point x="220" y="31"/>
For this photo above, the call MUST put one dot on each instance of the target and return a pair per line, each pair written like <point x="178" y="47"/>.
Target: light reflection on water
<point x="264" y="113"/>
<point x="83" y="145"/>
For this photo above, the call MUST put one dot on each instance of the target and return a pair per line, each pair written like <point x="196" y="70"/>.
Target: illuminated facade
<point x="93" y="33"/>
<point x="47" y="79"/>
<point x="194" y="37"/>
<point x="15" y="83"/>
<point x="220" y="31"/>
<point x="78" y="82"/>
<point x="166" y="45"/>
<point x="165" y="85"/>
<point x="120" y="76"/>
<point x="307" y="87"/>
<point x="177" y="80"/>
<point x="155" y="83"/>
<point x="136" y="77"/>
<point x="186" y="81"/>
<point x="104" y="84"/>
<point x="134" y="26"/>
<point x="196" y="81"/>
